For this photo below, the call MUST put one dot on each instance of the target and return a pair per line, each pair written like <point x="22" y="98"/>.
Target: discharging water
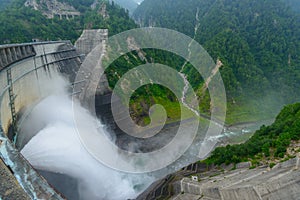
<point x="56" y="148"/>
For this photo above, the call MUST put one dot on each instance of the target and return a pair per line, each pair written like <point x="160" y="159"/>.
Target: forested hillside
<point x="295" y="5"/>
<point x="267" y="144"/>
<point x="4" y="4"/>
<point x="22" y="24"/>
<point x="130" y="5"/>
<point x="257" y="41"/>
<point x="81" y="5"/>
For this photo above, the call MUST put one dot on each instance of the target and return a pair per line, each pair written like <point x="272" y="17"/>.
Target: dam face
<point x="25" y="71"/>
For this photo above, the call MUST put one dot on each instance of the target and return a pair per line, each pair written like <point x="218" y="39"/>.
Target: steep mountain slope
<point x="20" y="23"/>
<point x="51" y="8"/>
<point x="295" y="5"/>
<point x="130" y="5"/>
<point x="257" y="41"/>
<point x="81" y="5"/>
<point x="268" y="144"/>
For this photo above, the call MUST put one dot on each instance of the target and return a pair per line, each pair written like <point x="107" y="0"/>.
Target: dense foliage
<point x="257" y="41"/>
<point x="271" y="141"/>
<point x="22" y="24"/>
<point x="295" y="5"/>
<point x="146" y="96"/>
<point x="80" y="5"/>
<point x="130" y="5"/>
<point x="118" y="19"/>
<point x="4" y="4"/>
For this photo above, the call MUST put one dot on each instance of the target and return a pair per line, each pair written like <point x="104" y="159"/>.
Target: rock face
<point x="281" y="182"/>
<point x="9" y="187"/>
<point x="53" y="8"/>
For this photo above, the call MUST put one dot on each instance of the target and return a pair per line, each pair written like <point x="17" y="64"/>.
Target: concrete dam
<point x="24" y="67"/>
<point x="27" y="76"/>
<point x="28" y="73"/>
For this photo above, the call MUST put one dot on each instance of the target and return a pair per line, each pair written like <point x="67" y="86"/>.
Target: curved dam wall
<point x="25" y="71"/>
<point x="21" y="81"/>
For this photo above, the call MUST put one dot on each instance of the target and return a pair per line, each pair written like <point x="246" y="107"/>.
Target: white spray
<point x="57" y="148"/>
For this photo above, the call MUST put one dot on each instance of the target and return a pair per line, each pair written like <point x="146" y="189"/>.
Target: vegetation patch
<point x="268" y="144"/>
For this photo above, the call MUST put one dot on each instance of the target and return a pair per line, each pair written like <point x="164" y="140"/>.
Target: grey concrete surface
<point x="281" y="182"/>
